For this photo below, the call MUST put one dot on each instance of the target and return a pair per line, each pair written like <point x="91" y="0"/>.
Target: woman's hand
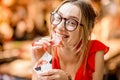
<point x="44" y="44"/>
<point x="40" y="47"/>
<point x="54" y="74"/>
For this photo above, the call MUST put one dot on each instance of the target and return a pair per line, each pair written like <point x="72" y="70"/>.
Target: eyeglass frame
<point x="65" y="19"/>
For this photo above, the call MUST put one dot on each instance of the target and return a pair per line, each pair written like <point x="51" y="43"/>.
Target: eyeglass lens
<point x="70" y="24"/>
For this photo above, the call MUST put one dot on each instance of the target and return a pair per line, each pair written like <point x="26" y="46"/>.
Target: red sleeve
<point x="96" y="46"/>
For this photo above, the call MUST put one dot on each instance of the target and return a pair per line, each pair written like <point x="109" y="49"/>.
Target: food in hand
<point x="56" y="41"/>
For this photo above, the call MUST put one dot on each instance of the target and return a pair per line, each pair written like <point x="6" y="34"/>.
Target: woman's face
<point x="72" y="12"/>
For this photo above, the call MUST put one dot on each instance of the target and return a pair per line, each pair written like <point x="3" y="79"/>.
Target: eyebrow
<point x="73" y="17"/>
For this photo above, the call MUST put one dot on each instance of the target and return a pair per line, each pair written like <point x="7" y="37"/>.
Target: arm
<point x="99" y="66"/>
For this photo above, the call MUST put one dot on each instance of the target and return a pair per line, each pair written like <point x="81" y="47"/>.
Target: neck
<point x="67" y="55"/>
<point x="69" y="62"/>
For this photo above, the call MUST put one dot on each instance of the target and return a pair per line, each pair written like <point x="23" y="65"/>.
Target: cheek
<point x="76" y="35"/>
<point x="53" y="28"/>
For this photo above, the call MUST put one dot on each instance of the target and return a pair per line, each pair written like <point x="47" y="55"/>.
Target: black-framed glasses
<point x="69" y="24"/>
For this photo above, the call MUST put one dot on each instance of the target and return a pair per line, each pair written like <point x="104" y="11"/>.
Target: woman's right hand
<point x="45" y="44"/>
<point x="40" y="47"/>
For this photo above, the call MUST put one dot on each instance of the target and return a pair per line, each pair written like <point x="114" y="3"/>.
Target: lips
<point x="62" y="35"/>
<point x="65" y="36"/>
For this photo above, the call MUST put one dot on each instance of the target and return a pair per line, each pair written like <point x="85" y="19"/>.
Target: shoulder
<point x="96" y="54"/>
<point x="98" y="46"/>
<point x="97" y="43"/>
<point x="97" y="49"/>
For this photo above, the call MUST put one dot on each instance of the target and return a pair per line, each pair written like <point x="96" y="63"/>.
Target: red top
<point x="90" y="64"/>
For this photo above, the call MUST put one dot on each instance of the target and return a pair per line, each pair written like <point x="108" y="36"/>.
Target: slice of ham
<point x="56" y="41"/>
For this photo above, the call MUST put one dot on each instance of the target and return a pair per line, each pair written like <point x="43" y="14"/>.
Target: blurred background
<point x="23" y="21"/>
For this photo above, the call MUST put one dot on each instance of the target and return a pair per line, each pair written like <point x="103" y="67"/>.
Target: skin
<point x="68" y="61"/>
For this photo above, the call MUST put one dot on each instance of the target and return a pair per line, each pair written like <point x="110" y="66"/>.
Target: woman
<point x="76" y="57"/>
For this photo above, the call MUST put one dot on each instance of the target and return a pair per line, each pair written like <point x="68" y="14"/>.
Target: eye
<point x="71" y="22"/>
<point x="57" y="17"/>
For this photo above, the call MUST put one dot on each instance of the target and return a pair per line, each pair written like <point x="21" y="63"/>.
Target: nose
<point x="61" y="26"/>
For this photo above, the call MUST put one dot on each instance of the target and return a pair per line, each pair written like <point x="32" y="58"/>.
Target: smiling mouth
<point x="66" y="36"/>
<point x="62" y="35"/>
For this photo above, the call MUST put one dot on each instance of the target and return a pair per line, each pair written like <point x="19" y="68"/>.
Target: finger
<point x="46" y="38"/>
<point x="37" y="51"/>
<point x="47" y="41"/>
<point x="50" y="72"/>
<point x="41" y="43"/>
<point x="50" y="41"/>
<point x="37" y="43"/>
<point x="36" y="47"/>
<point x="40" y="78"/>
<point x="46" y="46"/>
<point x="51" y="77"/>
<point x="45" y="78"/>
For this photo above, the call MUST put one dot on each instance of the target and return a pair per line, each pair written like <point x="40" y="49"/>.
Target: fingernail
<point x="46" y="48"/>
<point x="51" y="42"/>
<point x="32" y="43"/>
